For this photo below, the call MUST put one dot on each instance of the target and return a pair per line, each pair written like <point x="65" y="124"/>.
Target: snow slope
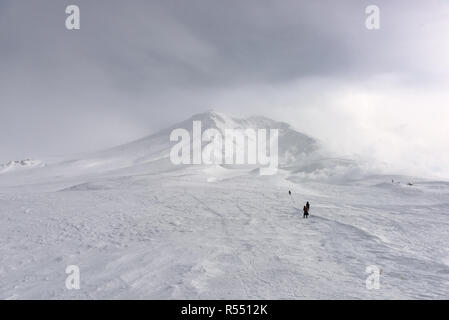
<point x="140" y="227"/>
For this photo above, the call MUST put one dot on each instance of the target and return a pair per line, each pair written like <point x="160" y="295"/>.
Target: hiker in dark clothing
<point x="306" y="212"/>
<point x="308" y="206"/>
<point x="289" y="192"/>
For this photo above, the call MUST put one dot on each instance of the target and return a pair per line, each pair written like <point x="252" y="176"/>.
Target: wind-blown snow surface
<point x="140" y="227"/>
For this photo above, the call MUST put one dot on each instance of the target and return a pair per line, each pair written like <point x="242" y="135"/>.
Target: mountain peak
<point x="211" y="115"/>
<point x="214" y="119"/>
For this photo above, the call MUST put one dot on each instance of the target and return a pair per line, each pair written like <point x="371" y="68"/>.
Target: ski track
<point x="236" y="239"/>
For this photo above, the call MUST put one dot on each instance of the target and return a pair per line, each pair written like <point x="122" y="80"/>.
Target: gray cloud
<point x="135" y="67"/>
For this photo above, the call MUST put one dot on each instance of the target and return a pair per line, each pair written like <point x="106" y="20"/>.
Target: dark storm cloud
<point x="146" y="44"/>
<point x="137" y="66"/>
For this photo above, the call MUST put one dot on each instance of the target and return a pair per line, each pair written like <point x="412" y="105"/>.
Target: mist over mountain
<point x="298" y="153"/>
<point x="140" y="226"/>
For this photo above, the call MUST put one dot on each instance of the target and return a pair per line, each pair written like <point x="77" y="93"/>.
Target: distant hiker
<point x="308" y="206"/>
<point x="289" y="192"/>
<point x="306" y="212"/>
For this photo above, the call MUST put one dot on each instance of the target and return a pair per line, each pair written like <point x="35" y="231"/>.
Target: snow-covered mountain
<point x="138" y="226"/>
<point x="293" y="145"/>
<point x="298" y="153"/>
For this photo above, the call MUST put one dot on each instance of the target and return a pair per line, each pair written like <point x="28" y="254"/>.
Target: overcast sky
<point x="137" y="66"/>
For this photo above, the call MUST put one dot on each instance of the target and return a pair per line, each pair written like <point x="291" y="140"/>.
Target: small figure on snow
<point x="306" y="212"/>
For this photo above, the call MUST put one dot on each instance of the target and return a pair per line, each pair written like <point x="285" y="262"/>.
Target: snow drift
<point x="139" y="227"/>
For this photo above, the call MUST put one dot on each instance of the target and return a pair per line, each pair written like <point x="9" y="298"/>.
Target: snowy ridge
<point x="298" y="152"/>
<point x="20" y="165"/>
<point x="140" y="227"/>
